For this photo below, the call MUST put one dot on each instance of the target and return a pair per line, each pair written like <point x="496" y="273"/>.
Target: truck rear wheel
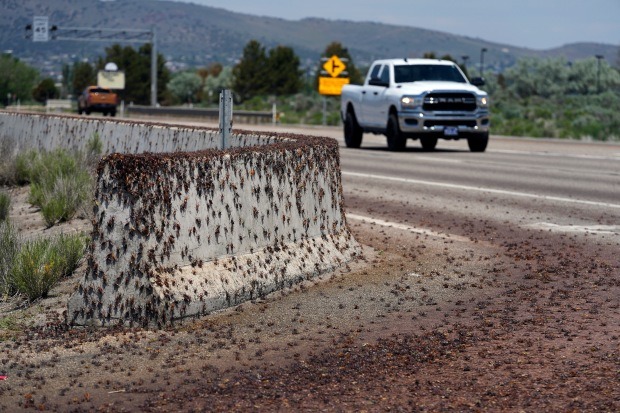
<point x="395" y="139"/>
<point x="353" y="133"/>
<point x="477" y="142"/>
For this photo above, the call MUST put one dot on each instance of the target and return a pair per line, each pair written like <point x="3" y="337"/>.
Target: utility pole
<point x="482" y="52"/>
<point x="153" y="69"/>
<point x="465" y="59"/>
<point x="599" y="57"/>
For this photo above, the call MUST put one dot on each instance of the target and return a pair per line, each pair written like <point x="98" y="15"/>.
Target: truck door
<point x="375" y="100"/>
<point x="368" y="89"/>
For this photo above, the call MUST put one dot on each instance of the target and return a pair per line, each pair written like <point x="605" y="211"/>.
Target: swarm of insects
<point x="152" y="209"/>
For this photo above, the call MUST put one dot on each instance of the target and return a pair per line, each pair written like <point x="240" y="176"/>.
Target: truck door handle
<point x="363" y="92"/>
<point x="375" y="93"/>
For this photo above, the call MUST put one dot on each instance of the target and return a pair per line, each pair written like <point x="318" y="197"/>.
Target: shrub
<point x="33" y="272"/>
<point x="7" y="161"/>
<point x="23" y="166"/>
<point x="62" y="201"/>
<point x="5" y="204"/>
<point x="40" y="264"/>
<point x="59" y="180"/>
<point x="9" y="246"/>
<point x="94" y="147"/>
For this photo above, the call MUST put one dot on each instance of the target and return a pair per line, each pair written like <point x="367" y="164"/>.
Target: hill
<point x="197" y="35"/>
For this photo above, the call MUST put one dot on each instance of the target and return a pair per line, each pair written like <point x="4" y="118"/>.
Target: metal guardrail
<point x="241" y="116"/>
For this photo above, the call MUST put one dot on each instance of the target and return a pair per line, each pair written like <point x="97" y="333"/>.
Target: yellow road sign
<point x="334" y="66"/>
<point x="332" y="85"/>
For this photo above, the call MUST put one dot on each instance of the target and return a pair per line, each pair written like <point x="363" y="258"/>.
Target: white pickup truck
<point x="424" y="99"/>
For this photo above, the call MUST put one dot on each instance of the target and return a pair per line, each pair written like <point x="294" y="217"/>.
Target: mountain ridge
<point x="197" y="35"/>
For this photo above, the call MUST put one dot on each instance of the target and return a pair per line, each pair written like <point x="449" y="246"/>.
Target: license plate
<point x="451" y="131"/>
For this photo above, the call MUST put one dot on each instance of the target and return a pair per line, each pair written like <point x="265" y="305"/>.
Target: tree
<point x="84" y="75"/>
<point x="45" y="90"/>
<point x="137" y="67"/>
<point x="216" y="83"/>
<point x="185" y="86"/>
<point x="251" y="72"/>
<point x="213" y="69"/>
<point x="17" y="79"/>
<point x="284" y="74"/>
<point x="336" y="48"/>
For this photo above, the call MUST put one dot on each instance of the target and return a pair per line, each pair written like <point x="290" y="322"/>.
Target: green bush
<point x="299" y="108"/>
<point x="5" y="205"/>
<point x="61" y="202"/>
<point x="40" y="264"/>
<point x="7" y="161"/>
<point x="94" y="146"/>
<point x="59" y="180"/>
<point x="9" y="246"/>
<point x="23" y="165"/>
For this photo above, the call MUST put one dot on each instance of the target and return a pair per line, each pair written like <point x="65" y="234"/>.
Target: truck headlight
<point x="409" y="102"/>
<point x="483" y="102"/>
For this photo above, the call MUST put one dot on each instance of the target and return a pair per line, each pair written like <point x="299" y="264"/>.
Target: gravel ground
<point x="511" y="320"/>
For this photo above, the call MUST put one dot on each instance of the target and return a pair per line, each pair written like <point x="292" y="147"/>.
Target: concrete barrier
<point x="182" y="234"/>
<point x="47" y="132"/>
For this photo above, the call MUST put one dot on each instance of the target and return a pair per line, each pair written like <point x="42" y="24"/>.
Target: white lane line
<point x="444" y="160"/>
<point x="480" y="189"/>
<point x="614" y="156"/>
<point x="415" y="230"/>
<point x="595" y="229"/>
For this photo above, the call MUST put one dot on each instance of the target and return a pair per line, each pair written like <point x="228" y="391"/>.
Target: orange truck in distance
<point x="97" y="99"/>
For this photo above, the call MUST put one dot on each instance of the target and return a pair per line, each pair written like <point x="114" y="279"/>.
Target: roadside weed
<point x="59" y="182"/>
<point x="9" y="247"/>
<point x="40" y="264"/>
<point x="5" y="205"/>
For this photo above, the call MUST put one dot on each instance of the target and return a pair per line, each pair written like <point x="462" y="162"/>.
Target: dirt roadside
<point x="528" y="323"/>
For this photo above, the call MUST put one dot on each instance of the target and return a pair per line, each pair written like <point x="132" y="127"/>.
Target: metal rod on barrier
<point x="226" y="106"/>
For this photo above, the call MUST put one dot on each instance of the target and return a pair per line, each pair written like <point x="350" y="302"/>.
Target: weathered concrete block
<point x="184" y="234"/>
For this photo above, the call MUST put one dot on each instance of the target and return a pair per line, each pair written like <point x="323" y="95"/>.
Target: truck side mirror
<point x="477" y="81"/>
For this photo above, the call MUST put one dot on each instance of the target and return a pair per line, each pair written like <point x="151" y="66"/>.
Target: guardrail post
<point x="225" y="116"/>
<point x="324" y="111"/>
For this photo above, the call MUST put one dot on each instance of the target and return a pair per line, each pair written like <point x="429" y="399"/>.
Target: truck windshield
<point x="418" y="73"/>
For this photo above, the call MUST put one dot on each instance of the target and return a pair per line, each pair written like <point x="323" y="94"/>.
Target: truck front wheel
<point x="353" y="133"/>
<point x="428" y="142"/>
<point x="395" y="139"/>
<point x="477" y="142"/>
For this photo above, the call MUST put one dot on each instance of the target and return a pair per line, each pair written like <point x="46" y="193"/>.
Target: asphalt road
<point x="551" y="185"/>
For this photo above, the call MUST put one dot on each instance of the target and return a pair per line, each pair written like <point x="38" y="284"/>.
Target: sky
<point x="536" y="24"/>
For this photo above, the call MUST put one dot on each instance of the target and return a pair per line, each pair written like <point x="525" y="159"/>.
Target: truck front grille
<point x="450" y="102"/>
